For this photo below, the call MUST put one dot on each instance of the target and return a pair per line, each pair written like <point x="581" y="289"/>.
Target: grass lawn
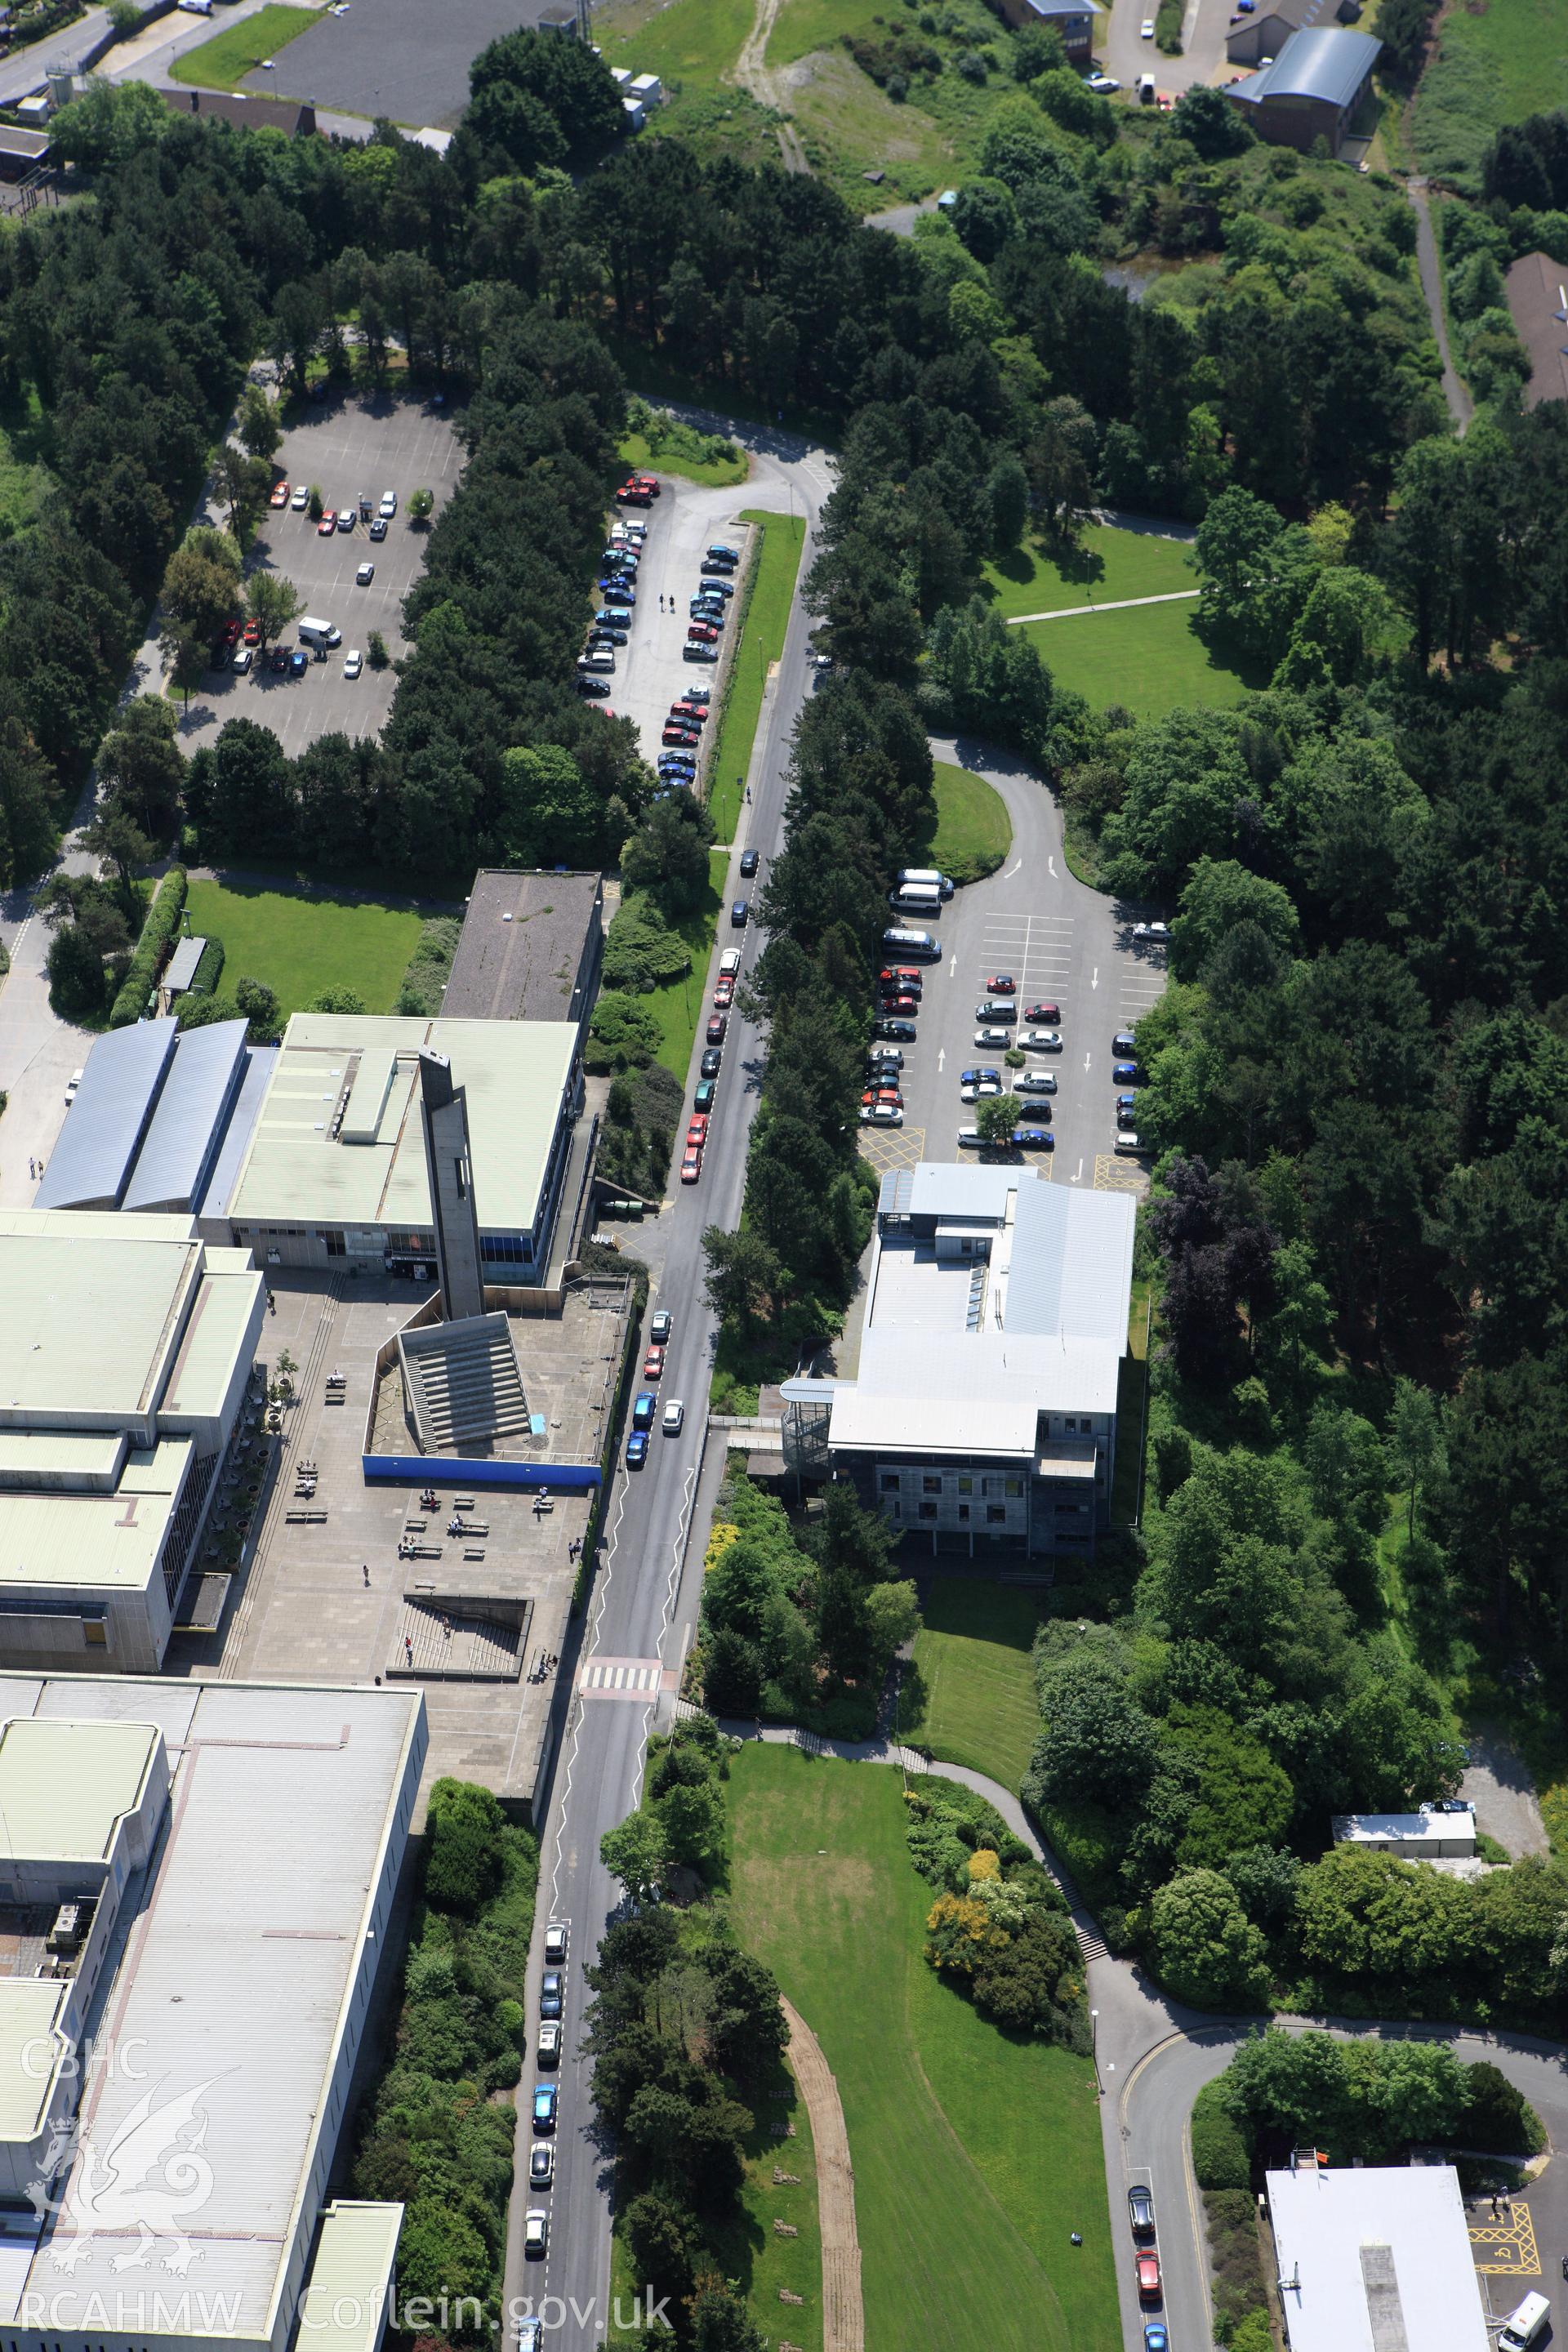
<point x="762" y="642"/>
<point x="678" y="1004"/>
<point x="975" y="2155"/>
<point x="1150" y="659"/>
<point x="299" y="946"/>
<point x="1111" y="563"/>
<point x="692" y="46"/>
<point x="973" y="832"/>
<point x="637" y="449"/>
<point x="1492" y="64"/>
<point x="973" y="1689"/>
<point x="222" y="62"/>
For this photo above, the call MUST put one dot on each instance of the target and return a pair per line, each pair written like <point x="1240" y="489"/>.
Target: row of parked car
<point x="1146" y="2260"/>
<point x="546" y="2102"/>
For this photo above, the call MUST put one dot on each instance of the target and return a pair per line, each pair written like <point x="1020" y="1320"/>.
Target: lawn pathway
<point x="843" y="2310"/>
<point x="1117" y="605"/>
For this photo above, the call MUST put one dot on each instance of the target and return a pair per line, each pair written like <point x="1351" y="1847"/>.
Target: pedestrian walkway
<point x="1117" y="605"/>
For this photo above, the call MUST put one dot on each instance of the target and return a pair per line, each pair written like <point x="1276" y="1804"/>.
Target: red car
<point x="628" y="495"/>
<point x="883" y="1094"/>
<point x="723" y="995"/>
<point x="653" y="1364"/>
<point x="231" y="633"/>
<point x="692" y="1168"/>
<point x="648" y="482"/>
<point x="253" y="633"/>
<point x="694" y="713"/>
<point x="1049" y="1015"/>
<point x="328" y="523"/>
<point x="1149" y="2277"/>
<point x="701" y="633"/>
<point x="697" y="1133"/>
<point x="684" y="739"/>
<point x="279" y="494"/>
<point x="1001" y="983"/>
<point x="891" y="1006"/>
<point x="718" y="1024"/>
<point x="900" y="975"/>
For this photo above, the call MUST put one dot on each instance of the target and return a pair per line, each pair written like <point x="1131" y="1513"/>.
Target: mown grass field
<point x="678" y="1004"/>
<point x="299" y="945"/>
<point x="1149" y="659"/>
<point x="658" y="456"/>
<point x="975" y="2155"/>
<point x="1493" y="63"/>
<point x="1108" y="563"/>
<point x="761" y="643"/>
<point x="222" y="62"/>
<point x="971" y="1699"/>
<point x="973" y="832"/>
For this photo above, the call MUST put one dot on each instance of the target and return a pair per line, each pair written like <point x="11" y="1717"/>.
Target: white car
<point x="550" y="2046"/>
<point x="541" y="2165"/>
<point x="300" y="499"/>
<point x="729" y="963"/>
<point x="1042" y="1041"/>
<point x="352" y="665"/>
<point x="1035" y="1082"/>
<point x="364" y="575"/>
<point x="555" y="1940"/>
<point x="1003" y="1037"/>
<point x="71" y="1085"/>
<point x="1102" y="84"/>
<point x="1153" y="935"/>
<point x="674" y="1417"/>
<point x="1127" y="1143"/>
<point x="1146" y="29"/>
<point x="244" y="658"/>
<point x="882" y="1115"/>
<point x="984" y="1086"/>
<point x="536" y="2233"/>
<point x="389" y="503"/>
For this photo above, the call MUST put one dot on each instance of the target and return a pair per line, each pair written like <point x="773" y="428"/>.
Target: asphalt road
<point x="642" y="1608"/>
<point x="1126" y="55"/>
<point x="1063" y="943"/>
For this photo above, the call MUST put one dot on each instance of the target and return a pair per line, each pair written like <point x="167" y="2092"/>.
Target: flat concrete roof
<point x="88" y="1322"/>
<point x="226" y="1309"/>
<point x="64" y="1786"/>
<point x="95" y="1540"/>
<point x="343" y="2304"/>
<point x="30" y="2010"/>
<point x="234" y="1989"/>
<point x="521" y="947"/>
<point x="514" y="1074"/>
<point x="1375" y="2257"/>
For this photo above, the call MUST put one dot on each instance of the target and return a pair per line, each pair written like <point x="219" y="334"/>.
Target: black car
<point x="711" y="1061"/>
<point x="594" y="686"/>
<point x="740" y="915"/>
<point x="748" y="864"/>
<point x="550" y="1994"/>
<point x="897" y="1033"/>
<point x="607" y="636"/>
<point x="1141" y="2211"/>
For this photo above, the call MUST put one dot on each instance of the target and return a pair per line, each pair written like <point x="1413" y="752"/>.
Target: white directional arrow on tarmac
<point x="941" y="1058"/>
<point x="1095" y="981"/>
<point x="1085" y="1061"/>
<point x="1015" y="867"/>
<point x="952" y="967"/>
<point x="1051" y="863"/>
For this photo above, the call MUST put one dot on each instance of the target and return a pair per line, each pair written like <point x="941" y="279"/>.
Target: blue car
<point x="978" y="1078"/>
<point x="616" y="584"/>
<point x="721" y="554"/>
<point x="299" y="663"/>
<point x="545" y="2100"/>
<point x="642" y="1410"/>
<point x="1155" y="2338"/>
<point x="1033" y="1138"/>
<point x="637" y="1450"/>
<point x="1124" y="1073"/>
<point x="552" y="1993"/>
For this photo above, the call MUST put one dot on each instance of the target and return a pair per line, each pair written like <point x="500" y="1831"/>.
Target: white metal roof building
<point x="984" y="1402"/>
<point x="150" y="1117"/>
<point x="126" y="1347"/>
<point x="1375" y="2259"/>
<point x="335" y="1165"/>
<point x="1311" y="90"/>
<point x="1426" y="1835"/>
<point x="230" y="1854"/>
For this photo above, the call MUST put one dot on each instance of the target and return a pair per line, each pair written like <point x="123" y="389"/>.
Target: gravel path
<point x="843" y="2311"/>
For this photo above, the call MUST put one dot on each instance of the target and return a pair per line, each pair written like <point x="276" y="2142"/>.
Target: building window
<point x="965" y="1484"/>
<point x="890" y="1482"/>
<point x="995" y="1515"/>
<point x="1071" y="1421"/>
<point x="333" y="1243"/>
<point x="928" y="1510"/>
<point x="895" y="1511"/>
<point x="930" y="1485"/>
<point x="964" y="1514"/>
<point x="1013" y="1486"/>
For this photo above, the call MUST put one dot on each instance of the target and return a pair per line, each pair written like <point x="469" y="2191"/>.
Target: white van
<point x="319" y="633"/>
<point x="926" y="875"/>
<point x="924" y="946"/>
<point x="1525" y="2325"/>
<point x="916" y="898"/>
<point x="599" y="661"/>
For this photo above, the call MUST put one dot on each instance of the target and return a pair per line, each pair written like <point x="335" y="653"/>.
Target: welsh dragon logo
<point x="146" y="2179"/>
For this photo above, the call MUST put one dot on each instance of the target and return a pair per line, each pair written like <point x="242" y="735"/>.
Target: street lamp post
<point x="1094" y="2051"/>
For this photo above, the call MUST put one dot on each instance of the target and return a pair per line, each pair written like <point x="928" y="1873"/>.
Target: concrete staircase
<point x="464" y="1385"/>
<point x="461" y="1641"/>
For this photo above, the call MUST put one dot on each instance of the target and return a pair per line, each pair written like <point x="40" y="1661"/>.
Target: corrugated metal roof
<point x="182" y="1139"/>
<point x="260" y="1061"/>
<point x="1071" y="1263"/>
<point x="513" y="1073"/>
<point x="1324" y="62"/>
<point x="896" y="1191"/>
<point x="344" y="2303"/>
<point x="64" y="1786"/>
<point x="946" y="1188"/>
<point x="237" y="1990"/>
<point x="87" y="1323"/>
<point x="121" y="1077"/>
<point x="180" y="969"/>
<point x="223" y="1327"/>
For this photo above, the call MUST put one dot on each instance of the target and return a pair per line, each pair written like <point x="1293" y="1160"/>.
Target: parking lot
<point x="392" y="58"/>
<point x="347" y="447"/>
<point x="650" y="673"/>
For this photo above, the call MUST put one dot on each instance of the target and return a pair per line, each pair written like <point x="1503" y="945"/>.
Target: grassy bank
<point x="973" y="832"/>
<point x="761" y="644"/>
<point x="678" y="1004"/>
<point x="975" y="2155"/>
<point x="1149" y="659"/>
<point x="299" y="946"/>
<point x="970" y="1698"/>
<point x="1107" y="565"/>
<point x="222" y="62"/>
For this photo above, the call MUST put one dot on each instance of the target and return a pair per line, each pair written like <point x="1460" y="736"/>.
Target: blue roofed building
<point x="1311" y="90"/>
<point x="91" y="1164"/>
<point x="155" y="1106"/>
<point x="189" y="1118"/>
<point x="982" y="1412"/>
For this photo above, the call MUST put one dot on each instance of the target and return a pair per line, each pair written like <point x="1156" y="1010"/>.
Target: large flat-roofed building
<point x="1311" y="90"/>
<point x="335" y="1170"/>
<point x="1375" y="2258"/>
<point x="126" y="1347"/>
<point x="983" y="1412"/>
<point x="196" y="1886"/>
<point x="531" y="949"/>
<point x="1427" y="1835"/>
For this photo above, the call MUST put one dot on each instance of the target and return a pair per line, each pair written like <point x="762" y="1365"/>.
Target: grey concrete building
<point x="531" y="949"/>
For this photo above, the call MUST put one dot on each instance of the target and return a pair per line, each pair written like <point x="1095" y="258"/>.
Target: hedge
<point x="1221" y="2158"/>
<point x="209" y="968"/>
<point x="158" y="930"/>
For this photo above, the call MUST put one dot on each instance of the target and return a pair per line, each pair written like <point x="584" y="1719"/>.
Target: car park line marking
<point x="1513" y="2245"/>
<point x="1078" y="1173"/>
<point x="1085" y="1061"/>
<point x="1095" y="981"/>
